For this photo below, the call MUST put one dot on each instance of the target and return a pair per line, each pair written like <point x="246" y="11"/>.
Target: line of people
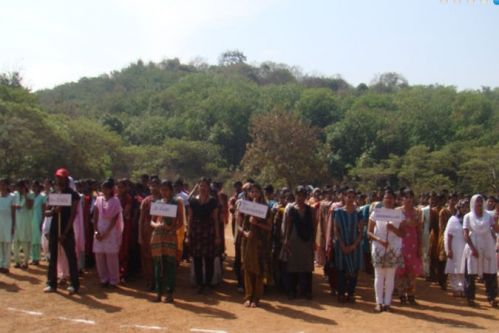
<point x="110" y="225"/>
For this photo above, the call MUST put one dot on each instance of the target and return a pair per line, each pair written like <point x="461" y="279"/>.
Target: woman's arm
<point x="13" y="215"/>
<point x="468" y="241"/>
<point x="450" y="254"/>
<point x="215" y="218"/>
<point x="399" y="232"/>
<point x="372" y="236"/>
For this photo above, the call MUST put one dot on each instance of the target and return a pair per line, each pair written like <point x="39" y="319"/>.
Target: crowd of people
<point x="448" y="238"/>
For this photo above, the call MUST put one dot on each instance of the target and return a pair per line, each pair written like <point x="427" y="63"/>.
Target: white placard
<point x="253" y="209"/>
<point x="159" y="208"/>
<point x="59" y="199"/>
<point x="388" y="215"/>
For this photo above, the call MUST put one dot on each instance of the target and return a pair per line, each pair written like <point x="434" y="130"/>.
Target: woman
<point x="479" y="252"/>
<point x="7" y="224"/>
<point x="24" y="216"/>
<point x="412" y="249"/>
<point x="36" y="222"/>
<point x="348" y="253"/>
<point x="126" y="204"/>
<point x="454" y="246"/>
<point x="386" y="252"/>
<point x="164" y="244"/>
<point x="299" y="244"/>
<point x="108" y="224"/>
<point x="203" y="233"/>
<point x="256" y="233"/>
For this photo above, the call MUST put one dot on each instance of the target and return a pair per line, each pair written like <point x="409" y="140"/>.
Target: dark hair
<point x="168" y="184"/>
<point x="5" y="181"/>
<point x="108" y="183"/>
<point x="259" y="189"/>
<point x="350" y="190"/>
<point x="300" y="189"/>
<point x="407" y="192"/>
<point x="179" y="182"/>
<point x="205" y="180"/>
<point x="493" y="198"/>
<point x="269" y="189"/>
<point x="155" y="180"/>
<point x="237" y="184"/>
<point x="388" y="190"/>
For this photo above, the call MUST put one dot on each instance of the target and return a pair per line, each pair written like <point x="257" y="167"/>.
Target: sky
<point x="454" y="42"/>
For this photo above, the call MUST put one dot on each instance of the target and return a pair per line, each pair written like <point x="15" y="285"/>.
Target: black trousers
<point x="346" y="282"/>
<point x="208" y="270"/>
<point x="237" y="263"/>
<point x="490" y="285"/>
<point x="303" y="280"/>
<point x="69" y="249"/>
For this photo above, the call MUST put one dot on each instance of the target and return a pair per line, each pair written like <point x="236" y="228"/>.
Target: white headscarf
<point x="479" y="224"/>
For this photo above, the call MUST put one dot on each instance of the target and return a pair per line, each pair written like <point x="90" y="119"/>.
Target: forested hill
<point x="172" y="119"/>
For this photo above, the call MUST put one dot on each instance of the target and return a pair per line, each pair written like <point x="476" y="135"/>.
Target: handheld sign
<point x="59" y="199"/>
<point x="159" y="208"/>
<point x="253" y="209"/>
<point x="388" y="215"/>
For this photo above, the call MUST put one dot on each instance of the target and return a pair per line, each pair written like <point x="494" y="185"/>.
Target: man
<point x="62" y="234"/>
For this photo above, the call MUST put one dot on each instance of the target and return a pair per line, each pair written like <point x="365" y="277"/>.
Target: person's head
<point x="407" y="197"/>
<point x="349" y="197"/>
<point x="154" y="184"/>
<point x="462" y="207"/>
<point x="4" y="185"/>
<point x="256" y="193"/>
<point x="328" y="193"/>
<point x="47" y="185"/>
<point x="432" y="201"/>
<point x="389" y="198"/>
<point x="238" y="187"/>
<point x="491" y="202"/>
<point x="452" y="199"/>
<point x="21" y="187"/>
<point x="166" y="189"/>
<point x="300" y="194"/>
<point x="317" y="193"/>
<point x="144" y="179"/>
<point x="178" y="186"/>
<point x="62" y="178"/>
<point x="36" y="187"/>
<point x="204" y="186"/>
<point x="282" y="196"/>
<point x="476" y="204"/>
<point x="122" y="186"/>
<point x="269" y="191"/>
<point x="361" y="199"/>
<point x="107" y="187"/>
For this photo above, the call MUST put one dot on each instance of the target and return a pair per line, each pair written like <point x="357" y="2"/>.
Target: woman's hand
<point x="384" y="243"/>
<point x="450" y="254"/>
<point x="474" y="252"/>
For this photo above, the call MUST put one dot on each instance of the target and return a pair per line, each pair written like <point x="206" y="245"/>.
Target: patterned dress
<point x="348" y="225"/>
<point x="164" y="238"/>
<point x="202" y="228"/>
<point x="413" y="264"/>
<point x="390" y="257"/>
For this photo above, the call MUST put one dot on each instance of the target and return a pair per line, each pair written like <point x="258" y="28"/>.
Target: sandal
<point x="412" y="300"/>
<point x="247" y="304"/>
<point x="378" y="308"/>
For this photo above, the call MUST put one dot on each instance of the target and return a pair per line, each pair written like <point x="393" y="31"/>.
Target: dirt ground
<point x="25" y="308"/>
